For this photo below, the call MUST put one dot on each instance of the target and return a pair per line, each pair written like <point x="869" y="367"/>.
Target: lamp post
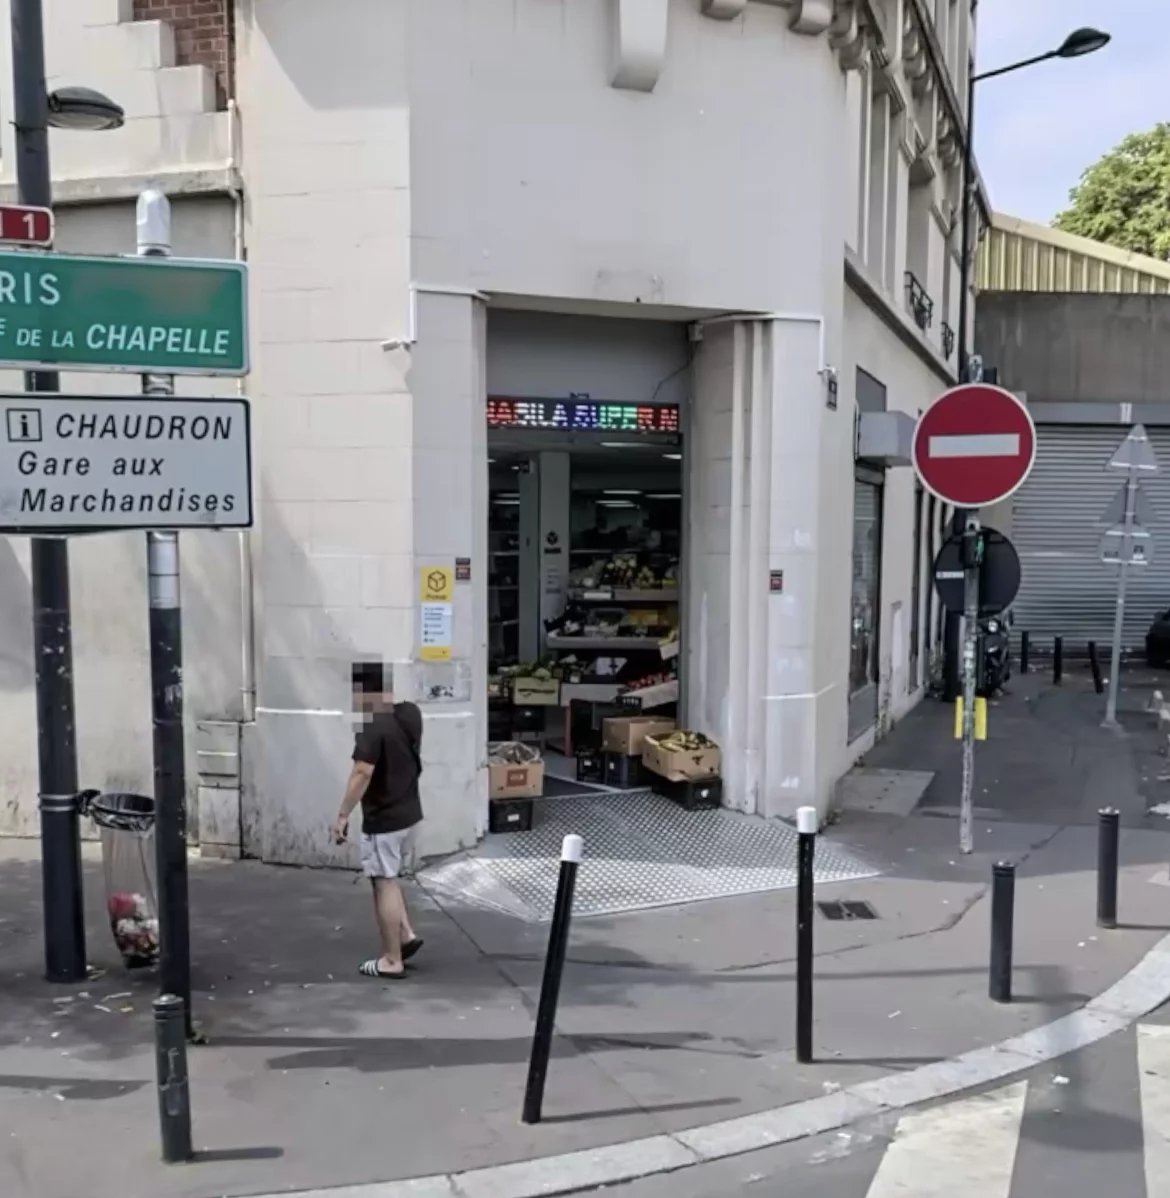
<point x="33" y="111"/>
<point x="1078" y="43"/>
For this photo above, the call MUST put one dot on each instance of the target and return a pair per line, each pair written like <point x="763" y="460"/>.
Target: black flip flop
<point x="411" y="947"/>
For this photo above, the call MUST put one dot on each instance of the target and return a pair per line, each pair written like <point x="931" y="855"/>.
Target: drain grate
<point x="848" y="909"/>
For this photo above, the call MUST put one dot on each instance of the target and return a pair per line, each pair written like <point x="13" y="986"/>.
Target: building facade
<point x="721" y="234"/>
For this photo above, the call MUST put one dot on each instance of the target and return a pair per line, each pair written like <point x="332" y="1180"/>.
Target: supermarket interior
<point x="586" y="577"/>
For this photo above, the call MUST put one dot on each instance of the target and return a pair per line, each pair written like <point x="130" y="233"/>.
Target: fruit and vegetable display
<point x="512" y="752"/>
<point x="648" y="680"/>
<point x="627" y="571"/>
<point x="682" y="741"/>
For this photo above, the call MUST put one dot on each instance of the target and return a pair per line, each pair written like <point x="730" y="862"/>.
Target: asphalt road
<point x="1094" y="1123"/>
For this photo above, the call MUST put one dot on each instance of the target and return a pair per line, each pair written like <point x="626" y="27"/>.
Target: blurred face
<point x="366" y="703"/>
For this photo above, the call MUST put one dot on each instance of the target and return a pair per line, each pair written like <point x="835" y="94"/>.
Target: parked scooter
<point x="995" y="655"/>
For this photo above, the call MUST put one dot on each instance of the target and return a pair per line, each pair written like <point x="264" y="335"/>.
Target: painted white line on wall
<point x="966" y="1149"/>
<point x="1153" y="1054"/>
<point x="975" y="445"/>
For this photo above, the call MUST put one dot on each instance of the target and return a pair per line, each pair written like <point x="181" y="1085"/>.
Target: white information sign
<point x="437" y="627"/>
<point x="71" y="463"/>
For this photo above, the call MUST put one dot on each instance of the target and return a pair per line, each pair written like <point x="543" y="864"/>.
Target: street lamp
<point x="83" y="108"/>
<point x="33" y="111"/>
<point x="1076" y="45"/>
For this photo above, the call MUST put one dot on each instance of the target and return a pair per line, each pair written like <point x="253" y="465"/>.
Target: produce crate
<point x="680" y="764"/>
<point x="536" y="692"/>
<point x="510" y="815"/>
<point x="694" y="794"/>
<point x="590" y="765"/>
<point x="624" y="773"/>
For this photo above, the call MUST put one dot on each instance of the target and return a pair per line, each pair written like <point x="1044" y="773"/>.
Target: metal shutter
<point x="1066" y="590"/>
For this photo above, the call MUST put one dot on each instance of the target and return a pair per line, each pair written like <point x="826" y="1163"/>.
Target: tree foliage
<point x="1124" y="199"/>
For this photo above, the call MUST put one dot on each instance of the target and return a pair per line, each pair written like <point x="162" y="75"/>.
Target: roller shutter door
<point x="1066" y="589"/>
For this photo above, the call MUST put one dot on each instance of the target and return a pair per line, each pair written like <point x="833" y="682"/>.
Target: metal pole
<point x="966" y="190"/>
<point x="174" y="1096"/>
<point x="572" y="850"/>
<point x="1108" y="836"/>
<point x="1023" y="652"/>
<point x="64" y="918"/>
<point x="952" y="670"/>
<point x="166" y="684"/>
<point x="1057" y="660"/>
<point x="1003" y="897"/>
<point x="1131" y="486"/>
<point x="806" y="829"/>
<point x="971" y="554"/>
<point x="1095" y="668"/>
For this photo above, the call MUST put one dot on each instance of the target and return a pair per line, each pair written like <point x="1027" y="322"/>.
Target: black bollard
<point x="174" y="1097"/>
<point x="1003" y="896"/>
<point x="1108" y="835"/>
<point x="1095" y="666"/>
<point x="806" y="829"/>
<point x="572" y="849"/>
<point x="1057" y="660"/>
<point x="1023" y="652"/>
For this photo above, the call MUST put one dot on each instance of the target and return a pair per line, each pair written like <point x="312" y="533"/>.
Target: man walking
<point x="384" y="779"/>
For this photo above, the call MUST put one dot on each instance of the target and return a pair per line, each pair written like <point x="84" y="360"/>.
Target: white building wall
<point x="481" y="152"/>
<point x="911" y="386"/>
<point x="326" y="164"/>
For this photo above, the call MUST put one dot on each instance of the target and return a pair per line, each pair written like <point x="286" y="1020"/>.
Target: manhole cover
<point x="847" y="909"/>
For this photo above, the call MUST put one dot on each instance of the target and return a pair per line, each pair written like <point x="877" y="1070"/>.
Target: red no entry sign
<point x="974" y="445"/>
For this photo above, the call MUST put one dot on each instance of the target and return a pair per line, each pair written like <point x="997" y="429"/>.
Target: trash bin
<point x="126" y="822"/>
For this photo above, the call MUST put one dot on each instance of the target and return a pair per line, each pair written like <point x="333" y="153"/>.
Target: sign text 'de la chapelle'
<point x="169" y="315"/>
<point x="82" y="463"/>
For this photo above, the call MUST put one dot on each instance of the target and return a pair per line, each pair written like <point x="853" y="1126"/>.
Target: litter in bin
<point x="127" y="828"/>
<point x="135" y="929"/>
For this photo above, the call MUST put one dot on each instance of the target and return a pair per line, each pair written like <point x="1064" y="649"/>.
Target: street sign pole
<point x="166" y="686"/>
<point x="972" y="553"/>
<point x="1119" y="612"/>
<point x="63" y="914"/>
<point x="1126" y="515"/>
<point x="973" y="448"/>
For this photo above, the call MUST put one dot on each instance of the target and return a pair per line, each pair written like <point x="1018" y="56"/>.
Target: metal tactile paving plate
<point x="641" y="850"/>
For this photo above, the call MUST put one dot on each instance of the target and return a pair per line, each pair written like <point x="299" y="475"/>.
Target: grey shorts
<point x="389" y="854"/>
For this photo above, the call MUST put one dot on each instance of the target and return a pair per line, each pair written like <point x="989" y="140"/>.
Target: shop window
<point x="865" y="604"/>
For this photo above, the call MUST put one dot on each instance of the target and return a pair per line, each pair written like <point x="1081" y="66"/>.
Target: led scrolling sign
<point x="585" y="416"/>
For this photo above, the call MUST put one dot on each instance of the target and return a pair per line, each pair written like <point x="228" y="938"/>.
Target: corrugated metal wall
<point x="1066" y="589"/>
<point x="1015" y="256"/>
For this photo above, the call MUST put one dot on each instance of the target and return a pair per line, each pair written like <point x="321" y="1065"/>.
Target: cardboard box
<point x="625" y="734"/>
<point x="679" y="765"/>
<point x="516" y="781"/>
<point x="536" y="692"/>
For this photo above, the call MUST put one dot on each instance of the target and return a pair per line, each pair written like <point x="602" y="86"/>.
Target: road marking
<point x="1153" y="1055"/>
<point x="975" y="445"/>
<point x="965" y="1149"/>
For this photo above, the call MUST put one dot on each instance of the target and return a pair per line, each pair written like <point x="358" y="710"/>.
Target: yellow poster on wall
<point x="436" y="585"/>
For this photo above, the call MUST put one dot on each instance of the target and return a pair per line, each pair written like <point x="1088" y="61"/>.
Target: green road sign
<point x="162" y="315"/>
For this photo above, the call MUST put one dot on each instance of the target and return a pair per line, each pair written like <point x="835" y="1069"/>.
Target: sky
<point x="1037" y="129"/>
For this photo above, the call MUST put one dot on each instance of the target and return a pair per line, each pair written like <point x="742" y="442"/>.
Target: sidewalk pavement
<point x="669" y="1018"/>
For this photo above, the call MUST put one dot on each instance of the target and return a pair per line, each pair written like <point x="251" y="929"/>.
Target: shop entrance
<point x="585" y="586"/>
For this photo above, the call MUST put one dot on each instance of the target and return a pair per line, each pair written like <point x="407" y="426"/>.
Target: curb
<point x="1138" y="992"/>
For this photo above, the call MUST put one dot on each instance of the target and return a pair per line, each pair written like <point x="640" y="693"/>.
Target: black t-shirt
<point x="390" y="741"/>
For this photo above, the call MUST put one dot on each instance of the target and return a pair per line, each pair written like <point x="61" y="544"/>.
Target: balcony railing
<point x="921" y="305"/>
